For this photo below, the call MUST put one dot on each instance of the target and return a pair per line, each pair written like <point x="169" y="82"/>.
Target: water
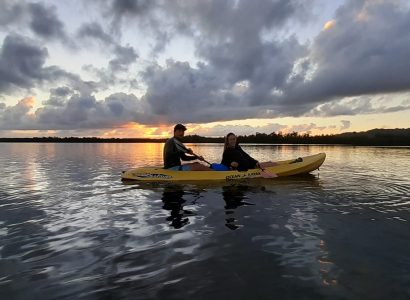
<point x="70" y="229"/>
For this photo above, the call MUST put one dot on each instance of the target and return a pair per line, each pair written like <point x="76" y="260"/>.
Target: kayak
<point x="299" y="166"/>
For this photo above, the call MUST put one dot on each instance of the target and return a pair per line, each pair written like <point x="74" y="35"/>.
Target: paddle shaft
<point x="191" y="152"/>
<point x="197" y="156"/>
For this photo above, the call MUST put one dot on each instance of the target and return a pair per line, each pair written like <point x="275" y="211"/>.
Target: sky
<point x="135" y="68"/>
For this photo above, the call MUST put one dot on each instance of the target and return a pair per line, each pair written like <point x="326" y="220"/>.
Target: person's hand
<point x="200" y="158"/>
<point x="257" y="164"/>
<point x="189" y="151"/>
<point x="234" y="164"/>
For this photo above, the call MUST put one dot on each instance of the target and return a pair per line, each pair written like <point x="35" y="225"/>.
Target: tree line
<point x="374" y="137"/>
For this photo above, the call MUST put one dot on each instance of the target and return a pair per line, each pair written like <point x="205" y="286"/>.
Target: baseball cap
<point x="179" y="127"/>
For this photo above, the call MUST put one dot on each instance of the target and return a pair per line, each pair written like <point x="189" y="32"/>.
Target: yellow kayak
<point x="302" y="165"/>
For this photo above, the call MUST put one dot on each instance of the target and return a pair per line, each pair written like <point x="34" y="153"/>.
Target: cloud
<point x="18" y="114"/>
<point x="45" y="23"/>
<point x="95" y="31"/>
<point x="345" y="124"/>
<point x="249" y="65"/>
<point x="21" y="63"/>
<point x="22" y="66"/>
<point x="180" y="93"/>
<point x="130" y="7"/>
<point x="223" y="130"/>
<point x="10" y="12"/>
<point x="67" y="110"/>
<point x="364" y="52"/>
<point x="125" y="56"/>
<point x="356" y="106"/>
<point x="347" y="59"/>
<point x="59" y="96"/>
<point x="36" y="17"/>
<point x="84" y="111"/>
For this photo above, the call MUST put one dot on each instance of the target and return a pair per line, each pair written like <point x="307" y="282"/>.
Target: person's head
<point x="179" y="130"/>
<point x="230" y="141"/>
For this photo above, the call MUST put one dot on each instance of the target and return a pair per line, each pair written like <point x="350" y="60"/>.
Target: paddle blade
<point x="267" y="174"/>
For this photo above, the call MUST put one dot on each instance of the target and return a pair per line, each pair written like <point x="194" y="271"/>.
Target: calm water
<point x="69" y="228"/>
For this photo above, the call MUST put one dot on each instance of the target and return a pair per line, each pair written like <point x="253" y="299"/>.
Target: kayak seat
<point x="219" y="167"/>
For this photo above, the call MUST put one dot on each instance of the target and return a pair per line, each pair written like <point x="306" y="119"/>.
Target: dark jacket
<point x="173" y="153"/>
<point x="236" y="154"/>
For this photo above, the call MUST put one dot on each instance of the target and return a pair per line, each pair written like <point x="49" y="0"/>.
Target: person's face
<point x="232" y="141"/>
<point x="179" y="133"/>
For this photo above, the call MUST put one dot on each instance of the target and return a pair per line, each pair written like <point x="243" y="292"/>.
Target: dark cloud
<point x="95" y="31"/>
<point x="61" y="91"/>
<point x="150" y="17"/>
<point x="346" y="60"/>
<point x="10" y="12"/>
<point x="131" y="7"/>
<point x="22" y="65"/>
<point x="59" y="96"/>
<point x="234" y="50"/>
<point x="180" y="92"/>
<point x="17" y="117"/>
<point x="121" y="12"/>
<point x="125" y="56"/>
<point x="365" y="52"/>
<point x="78" y="111"/>
<point x="86" y="112"/>
<point x="45" y="23"/>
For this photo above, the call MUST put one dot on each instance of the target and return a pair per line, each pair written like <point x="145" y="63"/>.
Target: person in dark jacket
<point x="175" y="151"/>
<point x="236" y="158"/>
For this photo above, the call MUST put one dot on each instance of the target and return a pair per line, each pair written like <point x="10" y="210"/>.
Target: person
<point x="236" y="158"/>
<point x="175" y="151"/>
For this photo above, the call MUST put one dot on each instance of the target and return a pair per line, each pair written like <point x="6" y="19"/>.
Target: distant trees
<point x="375" y="137"/>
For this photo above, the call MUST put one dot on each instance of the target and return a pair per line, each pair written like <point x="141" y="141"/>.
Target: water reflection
<point x="70" y="229"/>
<point x="172" y="198"/>
<point x="234" y="196"/>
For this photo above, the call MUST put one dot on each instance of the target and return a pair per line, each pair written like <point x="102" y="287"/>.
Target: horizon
<point x="133" y="69"/>
<point x="200" y="136"/>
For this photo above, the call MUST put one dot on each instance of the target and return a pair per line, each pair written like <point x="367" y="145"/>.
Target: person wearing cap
<point x="175" y="151"/>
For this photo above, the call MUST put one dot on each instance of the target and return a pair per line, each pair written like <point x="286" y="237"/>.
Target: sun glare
<point x="134" y="130"/>
<point x="329" y="24"/>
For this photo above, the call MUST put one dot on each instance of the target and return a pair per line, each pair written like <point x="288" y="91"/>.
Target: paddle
<point x="186" y="150"/>
<point x="264" y="173"/>
<point x="267" y="174"/>
<point x="181" y="146"/>
<point x="202" y="159"/>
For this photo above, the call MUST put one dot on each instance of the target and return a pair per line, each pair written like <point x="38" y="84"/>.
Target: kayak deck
<point x="283" y="168"/>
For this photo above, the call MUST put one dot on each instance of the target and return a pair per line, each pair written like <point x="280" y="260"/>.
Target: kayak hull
<point x="282" y="169"/>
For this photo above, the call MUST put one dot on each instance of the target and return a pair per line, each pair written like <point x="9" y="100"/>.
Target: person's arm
<point x="250" y="159"/>
<point x="182" y="150"/>
<point x="227" y="158"/>
<point x="185" y="157"/>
